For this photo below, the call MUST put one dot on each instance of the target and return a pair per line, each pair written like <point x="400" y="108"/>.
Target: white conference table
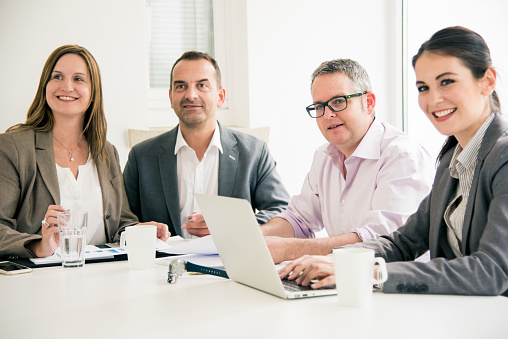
<point x="108" y="300"/>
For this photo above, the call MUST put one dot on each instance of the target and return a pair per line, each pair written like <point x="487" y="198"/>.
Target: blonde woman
<point x="59" y="159"/>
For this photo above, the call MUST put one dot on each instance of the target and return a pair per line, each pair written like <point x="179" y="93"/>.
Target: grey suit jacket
<point x="484" y="268"/>
<point x="29" y="184"/>
<point x="246" y="170"/>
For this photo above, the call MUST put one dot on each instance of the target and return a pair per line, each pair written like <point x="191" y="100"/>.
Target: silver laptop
<point x="243" y="250"/>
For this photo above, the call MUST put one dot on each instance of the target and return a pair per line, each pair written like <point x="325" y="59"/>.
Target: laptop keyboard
<point x="292" y="286"/>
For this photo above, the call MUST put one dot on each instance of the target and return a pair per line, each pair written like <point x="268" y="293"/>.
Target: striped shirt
<point x="462" y="167"/>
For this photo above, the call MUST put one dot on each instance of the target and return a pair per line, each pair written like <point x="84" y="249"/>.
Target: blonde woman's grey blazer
<point x="29" y="184"/>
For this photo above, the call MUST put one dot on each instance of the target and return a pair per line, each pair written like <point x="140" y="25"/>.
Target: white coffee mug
<point x="354" y="275"/>
<point x="139" y="241"/>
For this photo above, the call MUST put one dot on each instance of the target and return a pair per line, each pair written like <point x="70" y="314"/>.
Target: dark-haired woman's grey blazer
<point x="483" y="270"/>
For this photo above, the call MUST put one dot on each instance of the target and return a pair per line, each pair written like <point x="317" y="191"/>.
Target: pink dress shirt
<point x="387" y="176"/>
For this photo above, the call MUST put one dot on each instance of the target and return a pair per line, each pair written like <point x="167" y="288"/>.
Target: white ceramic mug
<point x="354" y="275"/>
<point x="140" y="242"/>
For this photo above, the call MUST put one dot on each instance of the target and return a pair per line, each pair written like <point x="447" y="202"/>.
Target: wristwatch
<point x="178" y="266"/>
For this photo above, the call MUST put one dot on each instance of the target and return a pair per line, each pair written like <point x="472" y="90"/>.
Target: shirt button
<point x="343" y="201"/>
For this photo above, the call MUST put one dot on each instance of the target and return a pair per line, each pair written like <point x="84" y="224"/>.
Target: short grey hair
<point x="351" y="68"/>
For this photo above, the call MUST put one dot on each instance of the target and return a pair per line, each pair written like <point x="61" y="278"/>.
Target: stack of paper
<point x="200" y="251"/>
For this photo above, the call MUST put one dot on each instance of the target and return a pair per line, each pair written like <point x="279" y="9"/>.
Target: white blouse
<point x="84" y="194"/>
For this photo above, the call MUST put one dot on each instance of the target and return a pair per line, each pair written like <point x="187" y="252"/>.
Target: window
<point x="176" y="26"/>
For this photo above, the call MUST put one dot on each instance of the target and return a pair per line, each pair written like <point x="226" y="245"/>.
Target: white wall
<point x="273" y="48"/>
<point x="287" y="40"/>
<point x="112" y="30"/>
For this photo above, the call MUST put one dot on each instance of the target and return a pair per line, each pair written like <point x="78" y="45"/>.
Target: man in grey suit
<point x="199" y="156"/>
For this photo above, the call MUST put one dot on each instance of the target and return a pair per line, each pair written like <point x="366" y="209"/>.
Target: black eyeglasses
<point x="336" y="104"/>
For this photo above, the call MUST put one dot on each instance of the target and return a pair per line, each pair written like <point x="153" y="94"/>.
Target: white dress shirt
<point x="387" y="177"/>
<point x="196" y="176"/>
<point x="84" y="194"/>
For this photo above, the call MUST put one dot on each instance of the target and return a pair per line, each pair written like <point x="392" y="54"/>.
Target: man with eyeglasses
<point x="364" y="182"/>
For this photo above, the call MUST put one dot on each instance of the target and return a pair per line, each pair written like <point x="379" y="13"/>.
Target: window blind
<point x="176" y="26"/>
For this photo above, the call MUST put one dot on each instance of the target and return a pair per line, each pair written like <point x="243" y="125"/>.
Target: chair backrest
<point x="138" y="135"/>
<point x="262" y="133"/>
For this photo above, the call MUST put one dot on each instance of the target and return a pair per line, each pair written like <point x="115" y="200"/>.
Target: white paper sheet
<point x="174" y="245"/>
<point x="91" y="252"/>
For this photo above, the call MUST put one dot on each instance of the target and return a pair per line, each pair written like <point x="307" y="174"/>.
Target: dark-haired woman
<point x="59" y="159"/>
<point x="464" y="220"/>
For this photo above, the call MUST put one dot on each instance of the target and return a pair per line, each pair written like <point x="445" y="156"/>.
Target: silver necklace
<point x="70" y="152"/>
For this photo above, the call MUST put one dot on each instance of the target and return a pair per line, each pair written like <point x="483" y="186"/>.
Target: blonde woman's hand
<point x="49" y="231"/>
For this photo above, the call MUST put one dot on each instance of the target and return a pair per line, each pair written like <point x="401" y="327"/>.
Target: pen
<point x="189" y="218"/>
